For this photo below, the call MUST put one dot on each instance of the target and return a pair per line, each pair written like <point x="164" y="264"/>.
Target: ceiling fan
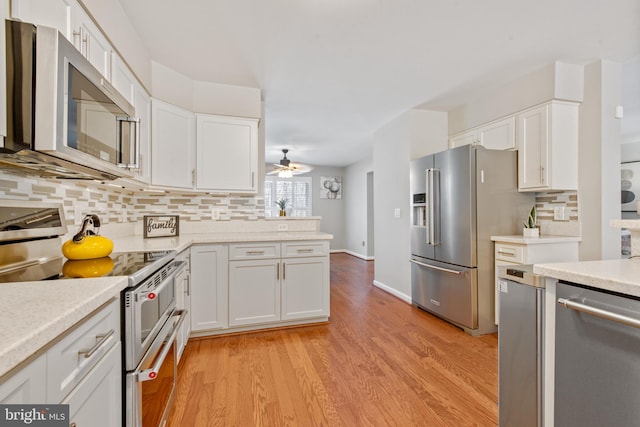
<point x="286" y="169"/>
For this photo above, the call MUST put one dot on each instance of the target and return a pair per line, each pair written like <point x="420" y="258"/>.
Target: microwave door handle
<point x="135" y="122"/>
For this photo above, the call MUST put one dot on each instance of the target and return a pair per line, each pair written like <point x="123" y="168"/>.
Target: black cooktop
<point x="136" y="265"/>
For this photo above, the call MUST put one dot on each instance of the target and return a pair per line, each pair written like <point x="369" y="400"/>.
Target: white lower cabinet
<point x="29" y="385"/>
<point x="304" y="287"/>
<point x="82" y="369"/>
<point x="183" y="300"/>
<point x="254" y="292"/>
<point x="278" y="282"/>
<point x="97" y="400"/>
<point x="209" y="287"/>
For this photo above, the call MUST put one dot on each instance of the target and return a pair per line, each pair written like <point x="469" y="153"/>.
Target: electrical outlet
<point x="215" y="214"/>
<point x="396" y="213"/>
<point x="283" y="227"/>
<point x="560" y="213"/>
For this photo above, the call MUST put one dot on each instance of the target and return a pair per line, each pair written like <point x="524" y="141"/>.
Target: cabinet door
<point x="90" y="41"/>
<point x="209" y="284"/>
<point x="122" y="78"/>
<point x="50" y="13"/>
<point x="499" y="135"/>
<point x="464" y="138"/>
<point x="227" y="153"/>
<point x="26" y="386"/>
<point x="305" y="287"/>
<point x="97" y="400"/>
<point x="533" y="140"/>
<point x="142" y="104"/>
<point x="181" y="281"/>
<point x="254" y="292"/>
<point x="172" y="145"/>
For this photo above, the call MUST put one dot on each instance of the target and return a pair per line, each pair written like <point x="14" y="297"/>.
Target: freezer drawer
<point x="446" y="290"/>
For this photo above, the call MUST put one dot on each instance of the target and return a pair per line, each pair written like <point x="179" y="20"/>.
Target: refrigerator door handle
<point x="431" y="229"/>
<point x="433" y="267"/>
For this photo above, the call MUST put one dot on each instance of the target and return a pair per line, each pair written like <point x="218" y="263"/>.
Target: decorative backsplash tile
<point x="546" y="202"/>
<point x="114" y="204"/>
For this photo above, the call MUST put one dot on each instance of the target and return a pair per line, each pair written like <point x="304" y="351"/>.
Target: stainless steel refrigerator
<point x="460" y="198"/>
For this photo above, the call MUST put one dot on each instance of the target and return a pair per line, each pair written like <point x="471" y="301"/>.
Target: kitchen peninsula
<point x="298" y="291"/>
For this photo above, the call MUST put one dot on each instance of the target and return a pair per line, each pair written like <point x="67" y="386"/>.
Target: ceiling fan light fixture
<point x="285" y="174"/>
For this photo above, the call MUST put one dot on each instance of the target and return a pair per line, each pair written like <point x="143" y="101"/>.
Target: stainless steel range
<point x="30" y="242"/>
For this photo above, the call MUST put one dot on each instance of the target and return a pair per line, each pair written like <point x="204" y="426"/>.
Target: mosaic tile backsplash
<point x="545" y="202"/>
<point x="117" y="205"/>
<point x="114" y="204"/>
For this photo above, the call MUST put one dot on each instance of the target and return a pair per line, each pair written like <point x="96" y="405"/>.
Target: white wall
<point x="356" y="215"/>
<point x="204" y="97"/>
<point x="557" y="80"/>
<point x="416" y="132"/>
<point x="113" y="21"/>
<point x="599" y="161"/>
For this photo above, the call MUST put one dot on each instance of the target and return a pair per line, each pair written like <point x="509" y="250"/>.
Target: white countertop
<point x="543" y="239"/>
<point x="618" y="275"/>
<point x="139" y="244"/>
<point x="36" y="313"/>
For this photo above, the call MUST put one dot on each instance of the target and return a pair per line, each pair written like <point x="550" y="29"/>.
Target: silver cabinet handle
<point x="284" y="271"/>
<point x="304" y="251"/>
<point x="433" y="267"/>
<point x="507" y="253"/>
<point x="598" y="312"/>
<point x="278" y="271"/>
<point x="102" y="339"/>
<point x="255" y="252"/>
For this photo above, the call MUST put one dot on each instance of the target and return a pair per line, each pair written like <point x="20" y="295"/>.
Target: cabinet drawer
<point x="304" y="249"/>
<point x="69" y="360"/>
<point x="254" y="251"/>
<point x="512" y="253"/>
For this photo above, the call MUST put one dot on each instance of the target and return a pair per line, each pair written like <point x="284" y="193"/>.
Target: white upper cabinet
<point x="172" y="145"/>
<point x="50" y="13"/>
<point x="498" y="135"/>
<point x="142" y="104"/>
<point x="464" y="138"/>
<point x="227" y="153"/>
<point x="122" y="78"/>
<point x="548" y="147"/>
<point x="89" y="40"/>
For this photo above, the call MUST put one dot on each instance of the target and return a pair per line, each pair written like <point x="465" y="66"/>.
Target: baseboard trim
<point x="404" y="297"/>
<point x="355" y="254"/>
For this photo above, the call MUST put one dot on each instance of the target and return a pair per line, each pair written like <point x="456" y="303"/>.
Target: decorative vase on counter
<point x="531" y="232"/>
<point x="283" y="212"/>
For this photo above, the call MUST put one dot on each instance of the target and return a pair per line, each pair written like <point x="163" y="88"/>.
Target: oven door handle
<point x="153" y="294"/>
<point x="152" y="373"/>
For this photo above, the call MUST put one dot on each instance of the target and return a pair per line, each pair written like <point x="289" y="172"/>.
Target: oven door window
<point x="93" y="126"/>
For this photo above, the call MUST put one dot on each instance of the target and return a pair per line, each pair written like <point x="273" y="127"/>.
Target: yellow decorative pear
<point x="87" y="244"/>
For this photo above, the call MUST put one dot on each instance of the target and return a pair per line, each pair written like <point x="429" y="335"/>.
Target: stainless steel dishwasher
<point x="520" y="346"/>
<point x="597" y="361"/>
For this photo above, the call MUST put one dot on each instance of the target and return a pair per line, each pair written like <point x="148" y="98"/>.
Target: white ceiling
<point x="334" y="71"/>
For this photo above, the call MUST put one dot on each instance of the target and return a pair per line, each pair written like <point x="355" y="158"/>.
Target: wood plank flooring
<point x="378" y="362"/>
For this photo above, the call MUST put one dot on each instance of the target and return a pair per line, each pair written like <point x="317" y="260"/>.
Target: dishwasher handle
<point x="598" y="312"/>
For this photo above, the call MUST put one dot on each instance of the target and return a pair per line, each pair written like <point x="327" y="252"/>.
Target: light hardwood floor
<point x="377" y="362"/>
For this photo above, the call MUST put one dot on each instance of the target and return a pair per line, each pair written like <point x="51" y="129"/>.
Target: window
<point x="296" y="190"/>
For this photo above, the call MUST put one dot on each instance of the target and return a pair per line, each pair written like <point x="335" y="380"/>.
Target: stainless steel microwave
<point x="64" y="119"/>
